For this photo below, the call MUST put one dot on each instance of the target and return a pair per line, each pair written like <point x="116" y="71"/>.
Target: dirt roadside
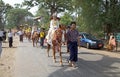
<point x="7" y="60"/>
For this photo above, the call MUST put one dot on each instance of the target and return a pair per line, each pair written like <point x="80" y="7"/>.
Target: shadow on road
<point x="9" y="47"/>
<point x="104" y="67"/>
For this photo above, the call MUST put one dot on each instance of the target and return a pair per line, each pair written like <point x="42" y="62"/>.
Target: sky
<point x="12" y="2"/>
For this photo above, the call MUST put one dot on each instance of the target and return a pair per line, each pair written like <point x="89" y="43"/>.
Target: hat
<point x="56" y="17"/>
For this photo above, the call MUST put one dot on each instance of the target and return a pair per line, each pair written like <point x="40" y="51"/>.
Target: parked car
<point x="89" y="41"/>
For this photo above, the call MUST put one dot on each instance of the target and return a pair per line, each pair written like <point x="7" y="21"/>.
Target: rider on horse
<point x="54" y="24"/>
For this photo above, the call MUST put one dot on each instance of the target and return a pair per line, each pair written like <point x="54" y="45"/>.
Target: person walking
<point x="67" y="42"/>
<point x="10" y="38"/>
<point x="73" y="42"/>
<point x="4" y="35"/>
<point x="1" y="39"/>
<point x="42" y="37"/>
<point x="21" y="33"/>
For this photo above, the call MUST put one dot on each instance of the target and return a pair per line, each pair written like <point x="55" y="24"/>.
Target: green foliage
<point x="95" y="15"/>
<point x="50" y="5"/>
<point x="16" y="17"/>
<point x="90" y="15"/>
<point x="4" y="8"/>
<point x="1" y="12"/>
<point x="66" y="19"/>
<point x="45" y="17"/>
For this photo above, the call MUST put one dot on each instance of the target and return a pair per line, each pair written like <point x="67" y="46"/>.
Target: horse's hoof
<point x="54" y="61"/>
<point x="48" y="56"/>
<point x="61" y="64"/>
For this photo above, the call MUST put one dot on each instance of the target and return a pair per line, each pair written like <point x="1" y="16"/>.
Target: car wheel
<point x="88" y="46"/>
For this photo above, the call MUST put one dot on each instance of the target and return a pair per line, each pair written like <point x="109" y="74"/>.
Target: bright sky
<point x="12" y="2"/>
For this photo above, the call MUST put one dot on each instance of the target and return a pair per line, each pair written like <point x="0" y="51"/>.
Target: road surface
<point x="33" y="62"/>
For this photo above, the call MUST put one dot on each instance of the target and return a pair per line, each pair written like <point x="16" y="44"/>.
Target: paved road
<point x="33" y="62"/>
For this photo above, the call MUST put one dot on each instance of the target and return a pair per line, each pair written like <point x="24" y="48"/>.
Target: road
<point x="33" y="62"/>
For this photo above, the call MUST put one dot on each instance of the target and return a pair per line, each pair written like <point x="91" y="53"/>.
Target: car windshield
<point x="89" y="36"/>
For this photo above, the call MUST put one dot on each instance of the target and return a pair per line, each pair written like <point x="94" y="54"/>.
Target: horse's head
<point x="58" y="34"/>
<point x="63" y="27"/>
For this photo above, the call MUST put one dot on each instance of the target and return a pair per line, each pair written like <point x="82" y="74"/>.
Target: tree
<point x="66" y="19"/>
<point x="3" y="9"/>
<point x="45" y="18"/>
<point x="93" y="14"/>
<point x="16" y="17"/>
<point x="51" y="6"/>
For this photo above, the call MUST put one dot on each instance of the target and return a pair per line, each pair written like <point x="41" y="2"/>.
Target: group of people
<point x="10" y="35"/>
<point x="71" y="35"/>
<point x="3" y="38"/>
<point x="72" y="38"/>
<point x="28" y="33"/>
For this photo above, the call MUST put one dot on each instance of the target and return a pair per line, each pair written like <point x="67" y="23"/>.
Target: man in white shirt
<point x="1" y="36"/>
<point x="10" y="38"/>
<point x="21" y="33"/>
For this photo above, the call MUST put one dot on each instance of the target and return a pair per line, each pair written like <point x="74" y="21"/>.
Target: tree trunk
<point x="53" y="10"/>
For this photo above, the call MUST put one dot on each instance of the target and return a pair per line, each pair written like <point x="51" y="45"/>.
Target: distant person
<point x="112" y="43"/>
<point x="68" y="28"/>
<point x="10" y="38"/>
<point x="111" y="35"/>
<point x="42" y="37"/>
<point x="34" y="29"/>
<point x="4" y="35"/>
<point x="1" y="39"/>
<point x="20" y="33"/>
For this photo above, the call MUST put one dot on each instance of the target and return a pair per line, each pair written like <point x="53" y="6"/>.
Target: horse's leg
<point x="33" y="43"/>
<point x="29" y="38"/>
<point x="54" y="51"/>
<point x="60" y="54"/>
<point x="37" y="42"/>
<point x="25" y="35"/>
<point x="48" y="49"/>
